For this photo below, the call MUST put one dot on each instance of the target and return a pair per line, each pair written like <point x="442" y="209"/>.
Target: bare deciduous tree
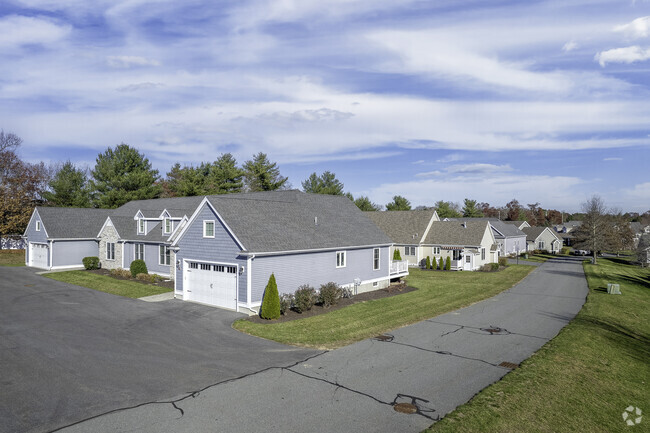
<point x="595" y="232"/>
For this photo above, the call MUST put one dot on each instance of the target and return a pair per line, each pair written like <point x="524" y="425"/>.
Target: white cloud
<point x="570" y="46"/>
<point x="639" y="28"/>
<point x="640" y="191"/>
<point x="631" y="54"/>
<point x="16" y="30"/>
<point x="129" y="61"/>
<point x="613" y="159"/>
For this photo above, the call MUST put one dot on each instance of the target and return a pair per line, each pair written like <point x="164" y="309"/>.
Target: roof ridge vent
<point x="315" y="220"/>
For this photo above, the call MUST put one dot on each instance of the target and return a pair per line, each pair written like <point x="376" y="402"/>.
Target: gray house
<point x="508" y="235"/>
<point x="469" y="244"/>
<point x="59" y="238"/>
<point x="543" y="239"/>
<point x="221" y="250"/>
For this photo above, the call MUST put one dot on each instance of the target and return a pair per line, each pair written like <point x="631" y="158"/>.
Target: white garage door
<point x="211" y="284"/>
<point x="38" y="255"/>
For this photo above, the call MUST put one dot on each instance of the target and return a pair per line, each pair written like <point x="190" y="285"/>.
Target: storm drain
<point x="405" y="408"/>
<point x="510" y="365"/>
<point x="494" y="330"/>
<point x="384" y="337"/>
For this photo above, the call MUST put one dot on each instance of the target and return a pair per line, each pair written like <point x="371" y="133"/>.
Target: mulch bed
<point x="392" y="290"/>
<point x="106" y="272"/>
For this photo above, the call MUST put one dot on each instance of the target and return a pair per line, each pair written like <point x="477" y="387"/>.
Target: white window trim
<point x="166" y="251"/>
<point x="135" y="251"/>
<point x="345" y="259"/>
<point x="205" y="222"/>
<point x="38" y="226"/>
<point x="165" y="222"/>
<point x="108" y="249"/>
<point x="376" y="260"/>
<point x="142" y="228"/>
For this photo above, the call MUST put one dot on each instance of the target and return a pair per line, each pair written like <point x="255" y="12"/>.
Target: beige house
<point x="543" y="239"/>
<point x="408" y="230"/>
<point x="469" y="244"/>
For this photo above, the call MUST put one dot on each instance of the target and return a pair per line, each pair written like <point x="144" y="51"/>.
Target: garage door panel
<point x="39" y="255"/>
<point x="212" y="284"/>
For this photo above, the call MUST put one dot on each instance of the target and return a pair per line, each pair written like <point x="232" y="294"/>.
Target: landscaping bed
<point x="343" y="302"/>
<point x="103" y="282"/>
<point x="162" y="283"/>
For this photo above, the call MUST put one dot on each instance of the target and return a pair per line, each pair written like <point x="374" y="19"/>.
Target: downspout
<point x="51" y="254"/>
<point x="249" y="280"/>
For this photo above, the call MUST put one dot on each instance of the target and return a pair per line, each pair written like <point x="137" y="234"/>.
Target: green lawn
<point x="583" y="379"/>
<point x="103" y="283"/>
<point x="439" y="292"/>
<point x="12" y="257"/>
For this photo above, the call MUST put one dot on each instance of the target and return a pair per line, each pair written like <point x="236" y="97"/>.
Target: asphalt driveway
<point x="69" y="353"/>
<point x="435" y="365"/>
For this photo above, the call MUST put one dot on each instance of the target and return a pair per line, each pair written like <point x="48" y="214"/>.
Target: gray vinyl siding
<point x="33" y="235"/>
<point x="128" y="254"/>
<point x="71" y="253"/>
<point x="152" y="258"/>
<point x="294" y="270"/>
<point x="222" y="248"/>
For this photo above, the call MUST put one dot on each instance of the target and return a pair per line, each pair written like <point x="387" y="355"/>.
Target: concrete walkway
<point x="434" y="365"/>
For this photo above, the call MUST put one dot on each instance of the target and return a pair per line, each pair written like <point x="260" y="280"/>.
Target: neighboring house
<point x="638" y="230"/>
<point x="221" y="250"/>
<point x="543" y="239"/>
<point x="519" y="224"/>
<point x="564" y="231"/>
<point x="59" y="238"/>
<point x="510" y="239"/>
<point x="407" y="229"/>
<point x="469" y="244"/>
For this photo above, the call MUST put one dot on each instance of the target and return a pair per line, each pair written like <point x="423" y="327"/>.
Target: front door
<point x="468" y="261"/>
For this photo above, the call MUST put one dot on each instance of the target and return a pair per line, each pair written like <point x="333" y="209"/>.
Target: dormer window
<point x="168" y="225"/>
<point x="38" y="226"/>
<point x="141" y="225"/>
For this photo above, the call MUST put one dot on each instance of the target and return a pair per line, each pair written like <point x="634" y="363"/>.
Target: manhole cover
<point x="510" y="365"/>
<point x="405" y="408"/>
<point x="493" y="330"/>
<point x="384" y="338"/>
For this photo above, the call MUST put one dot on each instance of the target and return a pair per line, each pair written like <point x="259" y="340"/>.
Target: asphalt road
<point x="434" y="365"/>
<point x="68" y="353"/>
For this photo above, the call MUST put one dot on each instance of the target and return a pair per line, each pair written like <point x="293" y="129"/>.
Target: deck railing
<point x="399" y="267"/>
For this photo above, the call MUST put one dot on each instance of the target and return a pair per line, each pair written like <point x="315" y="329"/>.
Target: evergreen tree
<point x="224" y="176"/>
<point x="399" y="203"/>
<point x="470" y="209"/>
<point x="68" y="188"/>
<point x="326" y="183"/>
<point x="447" y="209"/>
<point x="271" y="302"/>
<point x="260" y="174"/>
<point x="448" y="264"/>
<point x="366" y="205"/>
<point x="441" y="264"/>
<point x="121" y="175"/>
<point x="428" y="263"/>
<point x="397" y="256"/>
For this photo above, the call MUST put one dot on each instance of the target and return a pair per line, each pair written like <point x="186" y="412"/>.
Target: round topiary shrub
<point x="271" y="301"/>
<point x="90" y="263"/>
<point x="138" y="267"/>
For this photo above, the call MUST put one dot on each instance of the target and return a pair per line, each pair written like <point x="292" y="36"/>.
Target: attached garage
<point x="210" y="283"/>
<point x="39" y="255"/>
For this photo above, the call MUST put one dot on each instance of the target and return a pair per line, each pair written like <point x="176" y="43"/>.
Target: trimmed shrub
<point x="271" y="301"/>
<point x="448" y="264"/>
<point x="329" y="294"/>
<point x="489" y="267"/>
<point x="304" y="298"/>
<point x="149" y="278"/>
<point x="119" y="272"/>
<point x="138" y="267"/>
<point x="428" y="263"/>
<point x="441" y="264"/>
<point x="396" y="255"/>
<point x="90" y="263"/>
<point x="565" y="251"/>
<point x="286" y="302"/>
<point x="503" y="261"/>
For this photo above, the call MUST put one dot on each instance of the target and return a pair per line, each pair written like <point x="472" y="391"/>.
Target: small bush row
<point x="441" y="264"/>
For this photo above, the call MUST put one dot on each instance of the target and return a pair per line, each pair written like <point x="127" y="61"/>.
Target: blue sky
<point x="543" y="101"/>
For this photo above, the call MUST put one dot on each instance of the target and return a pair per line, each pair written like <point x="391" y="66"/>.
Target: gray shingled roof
<point x="403" y="227"/>
<point x="453" y="233"/>
<point x="533" y="232"/>
<point x="284" y="221"/>
<point x="506" y="228"/>
<point x="176" y="206"/>
<point x="72" y="223"/>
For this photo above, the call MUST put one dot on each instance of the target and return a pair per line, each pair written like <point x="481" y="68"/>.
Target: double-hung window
<point x="541" y="245"/>
<point x="141" y="226"/>
<point x="139" y="251"/>
<point x="340" y="259"/>
<point x="409" y="251"/>
<point x="375" y="259"/>
<point x="165" y="255"/>
<point x="482" y="253"/>
<point x="208" y="229"/>
<point x="110" y="251"/>
<point x="168" y="225"/>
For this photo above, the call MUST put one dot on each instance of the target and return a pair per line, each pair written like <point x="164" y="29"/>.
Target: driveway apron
<point x="426" y="369"/>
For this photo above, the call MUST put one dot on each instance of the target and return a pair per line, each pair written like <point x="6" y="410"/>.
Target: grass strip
<point x="584" y="378"/>
<point x="12" y="257"/>
<point x="439" y="292"/>
<point x="103" y="283"/>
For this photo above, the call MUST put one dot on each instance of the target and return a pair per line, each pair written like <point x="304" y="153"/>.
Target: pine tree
<point x="428" y="263"/>
<point x="271" y="302"/>
<point x="397" y="256"/>
<point x="260" y="174"/>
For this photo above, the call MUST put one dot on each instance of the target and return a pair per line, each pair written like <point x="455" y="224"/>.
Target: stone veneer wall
<point x="108" y="235"/>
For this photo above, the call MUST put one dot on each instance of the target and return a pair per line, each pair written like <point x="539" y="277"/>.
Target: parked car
<point x="581" y="252"/>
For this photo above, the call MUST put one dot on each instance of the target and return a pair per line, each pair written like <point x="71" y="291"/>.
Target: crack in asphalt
<point x="192" y="394"/>
<point x="504" y="331"/>
<point x="420" y="411"/>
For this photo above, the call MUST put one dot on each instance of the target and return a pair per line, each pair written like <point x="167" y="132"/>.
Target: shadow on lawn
<point x="634" y="343"/>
